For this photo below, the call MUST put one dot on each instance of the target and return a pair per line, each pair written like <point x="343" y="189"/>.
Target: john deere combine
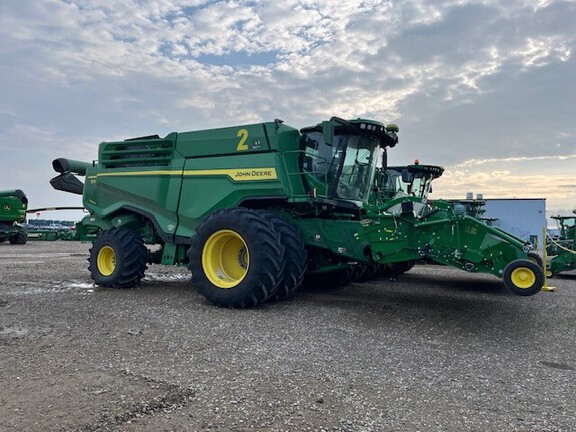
<point x="13" y="204"/>
<point x="252" y="209"/>
<point x="562" y="251"/>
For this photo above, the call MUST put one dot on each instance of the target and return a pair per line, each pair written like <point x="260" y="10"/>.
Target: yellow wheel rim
<point x="225" y="259"/>
<point x="106" y="261"/>
<point x="548" y="273"/>
<point x="523" y="277"/>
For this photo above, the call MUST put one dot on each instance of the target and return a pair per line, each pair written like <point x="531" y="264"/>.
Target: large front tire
<point x="523" y="277"/>
<point x="236" y="258"/>
<point x="118" y="258"/>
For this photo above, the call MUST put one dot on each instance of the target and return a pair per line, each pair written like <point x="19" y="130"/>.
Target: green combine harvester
<point x="13" y="205"/>
<point x="562" y="251"/>
<point x="252" y="209"/>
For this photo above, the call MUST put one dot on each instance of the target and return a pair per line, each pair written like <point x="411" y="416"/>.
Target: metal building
<point x="523" y="217"/>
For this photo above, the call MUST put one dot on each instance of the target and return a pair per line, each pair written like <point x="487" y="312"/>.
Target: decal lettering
<point x="243" y="135"/>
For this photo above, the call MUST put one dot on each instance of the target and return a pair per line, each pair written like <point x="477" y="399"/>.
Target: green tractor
<point x="562" y="251"/>
<point x="252" y="209"/>
<point x="13" y="205"/>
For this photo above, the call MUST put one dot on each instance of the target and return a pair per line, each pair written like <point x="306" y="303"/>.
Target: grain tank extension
<point x="252" y="209"/>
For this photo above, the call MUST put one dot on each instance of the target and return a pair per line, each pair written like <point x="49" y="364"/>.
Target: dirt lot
<point x="438" y="349"/>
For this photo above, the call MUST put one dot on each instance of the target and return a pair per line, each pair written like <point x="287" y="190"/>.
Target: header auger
<point x="253" y="209"/>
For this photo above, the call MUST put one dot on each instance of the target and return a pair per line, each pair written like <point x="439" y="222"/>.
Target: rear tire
<point x="118" y="258"/>
<point x="236" y="258"/>
<point x="295" y="255"/>
<point x="20" y="238"/>
<point x="523" y="277"/>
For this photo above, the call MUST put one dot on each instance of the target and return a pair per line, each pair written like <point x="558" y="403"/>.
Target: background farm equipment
<point x="50" y="230"/>
<point x="562" y="251"/>
<point x="50" y="233"/>
<point x="13" y="205"/>
<point x="252" y="209"/>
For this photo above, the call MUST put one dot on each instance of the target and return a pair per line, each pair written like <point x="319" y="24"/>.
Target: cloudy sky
<point x="486" y="89"/>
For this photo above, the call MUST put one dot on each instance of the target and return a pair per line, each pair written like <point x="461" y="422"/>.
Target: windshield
<point x="398" y="181"/>
<point x="346" y="168"/>
<point x="566" y="226"/>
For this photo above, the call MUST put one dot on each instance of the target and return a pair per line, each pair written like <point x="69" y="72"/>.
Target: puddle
<point x="10" y="335"/>
<point x="82" y="288"/>
<point x="162" y="277"/>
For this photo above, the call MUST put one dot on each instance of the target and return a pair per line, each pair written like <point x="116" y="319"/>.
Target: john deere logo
<point x="7" y="207"/>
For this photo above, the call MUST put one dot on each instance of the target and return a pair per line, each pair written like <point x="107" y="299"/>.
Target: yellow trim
<point x="225" y="259"/>
<point x="236" y="174"/>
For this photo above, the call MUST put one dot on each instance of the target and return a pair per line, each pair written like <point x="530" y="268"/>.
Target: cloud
<point x="474" y="162"/>
<point x="471" y="84"/>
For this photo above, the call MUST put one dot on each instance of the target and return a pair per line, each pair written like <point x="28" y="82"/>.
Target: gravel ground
<point x="438" y="349"/>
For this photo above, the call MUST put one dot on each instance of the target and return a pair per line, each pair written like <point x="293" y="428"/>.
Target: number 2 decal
<point x="243" y="134"/>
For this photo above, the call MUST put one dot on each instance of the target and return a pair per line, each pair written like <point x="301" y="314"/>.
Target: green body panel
<point x="220" y="182"/>
<point x="148" y="190"/>
<point x="177" y="180"/>
<point x="13" y="206"/>
<point x="564" y="261"/>
<point x="342" y="237"/>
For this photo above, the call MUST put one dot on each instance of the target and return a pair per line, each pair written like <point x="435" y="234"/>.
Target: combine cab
<point x="252" y="209"/>
<point x="13" y="205"/>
